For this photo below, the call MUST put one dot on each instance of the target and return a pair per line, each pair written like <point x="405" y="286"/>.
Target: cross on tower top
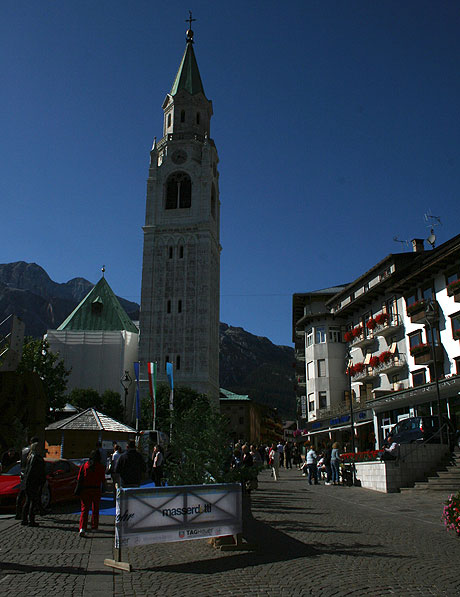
<point x="190" y="32"/>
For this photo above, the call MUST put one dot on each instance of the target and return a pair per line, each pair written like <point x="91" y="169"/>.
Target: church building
<point x="179" y="321"/>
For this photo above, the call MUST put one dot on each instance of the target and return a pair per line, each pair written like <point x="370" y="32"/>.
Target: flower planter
<point x="417" y="317"/>
<point x="457" y="297"/>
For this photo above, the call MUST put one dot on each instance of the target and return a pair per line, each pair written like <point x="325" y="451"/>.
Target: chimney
<point x="417" y="245"/>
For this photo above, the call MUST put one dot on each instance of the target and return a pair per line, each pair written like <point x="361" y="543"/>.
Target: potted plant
<point x="419" y="349"/>
<point x="374" y="361"/>
<point x="451" y="514"/>
<point x="357" y="331"/>
<point x="348" y="336"/>
<point x="453" y="288"/>
<point x="385" y="356"/>
<point x="416" y="307"/>
<point x="371" y="323"/>
<point x="382" y="318"/>
<point x="358" y="368"/>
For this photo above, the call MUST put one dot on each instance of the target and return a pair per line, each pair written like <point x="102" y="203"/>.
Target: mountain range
<point x="249" y="364"/>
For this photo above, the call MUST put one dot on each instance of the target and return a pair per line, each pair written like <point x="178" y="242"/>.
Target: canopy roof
<point x="91" y="420"/>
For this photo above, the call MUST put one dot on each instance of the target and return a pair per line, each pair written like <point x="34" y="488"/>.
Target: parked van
<point x="420" y="429"/>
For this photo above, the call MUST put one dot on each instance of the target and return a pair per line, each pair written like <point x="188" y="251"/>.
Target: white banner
<point x="163" y="514"/>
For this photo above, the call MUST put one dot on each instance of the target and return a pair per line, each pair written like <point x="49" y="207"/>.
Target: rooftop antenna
<point x="431" y="222"/>
<point x="403" y="242"/>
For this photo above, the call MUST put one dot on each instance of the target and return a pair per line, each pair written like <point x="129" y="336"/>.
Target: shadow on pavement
<point x="12" y="567"/>
<point x="272" y="546"/>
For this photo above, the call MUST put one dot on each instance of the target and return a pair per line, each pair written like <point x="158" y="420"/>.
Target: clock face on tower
<point x="179" y="156"/>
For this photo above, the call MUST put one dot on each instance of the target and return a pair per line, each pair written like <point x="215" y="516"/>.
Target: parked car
<point x="420" y="429"/>
<point x="61" y="479"/>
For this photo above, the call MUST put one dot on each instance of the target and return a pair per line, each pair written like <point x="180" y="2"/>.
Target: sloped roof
<point x="99" y="310"/>
<point x="227" y="395"/>
<point x="188" y="76"/>
<point x="91" y="420"/>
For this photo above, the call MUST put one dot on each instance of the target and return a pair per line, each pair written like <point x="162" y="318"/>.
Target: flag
<point x="138" y="401"/>
<point x="152" y="371"/>
<point x="169" y="373"/>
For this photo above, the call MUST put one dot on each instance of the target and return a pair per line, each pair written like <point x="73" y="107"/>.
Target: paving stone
<point x="321" y="540"/>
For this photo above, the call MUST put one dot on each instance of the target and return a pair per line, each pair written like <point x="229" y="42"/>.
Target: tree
<point x="37" y="358"/>
<point x="83" y="398"/>
<point x="111" y="405"/>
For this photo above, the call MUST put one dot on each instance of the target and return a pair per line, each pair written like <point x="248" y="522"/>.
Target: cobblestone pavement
<point x="310" y="540"/>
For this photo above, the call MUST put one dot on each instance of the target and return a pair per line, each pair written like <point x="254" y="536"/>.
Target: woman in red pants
<point x="91" y="480"/>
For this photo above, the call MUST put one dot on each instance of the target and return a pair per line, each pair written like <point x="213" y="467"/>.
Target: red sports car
<point x="61" y="478"/>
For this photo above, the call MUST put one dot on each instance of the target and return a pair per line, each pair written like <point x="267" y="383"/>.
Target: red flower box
<point x="348" y="336"/>
<point x="357" y="331"/>
<point x="374" y="361"/>
<point x="385" y="356"/>
<point x="420" y="349"/>
<point x="371" y="323"/>
<point x="382" y="318"/>
<point x="358" y="368"/>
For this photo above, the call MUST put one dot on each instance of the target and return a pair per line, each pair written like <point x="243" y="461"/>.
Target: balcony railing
<point x="367" y="374"/>
<point x="393" y="323"/>
<point x="364" y="339"/>
<point x="394" y="363"/>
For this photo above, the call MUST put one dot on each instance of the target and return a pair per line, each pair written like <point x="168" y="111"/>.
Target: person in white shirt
<point x="115" y="476"/>
<point x="312" y="466"/>
<point x="274" y="462"/>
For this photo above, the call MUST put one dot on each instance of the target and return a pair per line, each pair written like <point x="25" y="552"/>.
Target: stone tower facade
<point x="180" y="294"/>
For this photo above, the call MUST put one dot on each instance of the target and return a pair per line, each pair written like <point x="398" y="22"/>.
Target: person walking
<point x="327" y="464"/>
<point x="115" y="476"/>
<point x="91" y="483"/>
<point x="130" y="466"/>
<point x="34" y="478"/>
<point x="274" y="462"/>
<point x="22" y="487"/>
<point x="311" y="466"/>
<point x="157" y="465"/>
<point x="287" y="455"/>
<point x="335" y="463"/>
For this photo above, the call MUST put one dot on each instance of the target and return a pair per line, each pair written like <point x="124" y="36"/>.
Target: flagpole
<point x="154" y="420"/>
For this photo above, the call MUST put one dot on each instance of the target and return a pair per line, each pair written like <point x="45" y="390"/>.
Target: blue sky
<point x="337" y="125"/>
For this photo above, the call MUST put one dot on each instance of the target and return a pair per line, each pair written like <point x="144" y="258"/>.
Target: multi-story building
<point x="388" y="341"/>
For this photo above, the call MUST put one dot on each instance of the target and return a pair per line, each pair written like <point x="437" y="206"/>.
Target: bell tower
<point x="180" y="293"/>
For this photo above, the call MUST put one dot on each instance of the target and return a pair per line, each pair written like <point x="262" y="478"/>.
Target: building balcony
<point x="365" y="339"/>
<point x="388" y="327"/>
<point x="423" y="354"/>
<point x="417" y="311"/>
<point x="366" y="374"/>
<point x="393" y="364"/>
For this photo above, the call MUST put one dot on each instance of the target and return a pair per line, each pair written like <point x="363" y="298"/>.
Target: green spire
<point x="99" y="310"/>
<point x="188" y="75"/>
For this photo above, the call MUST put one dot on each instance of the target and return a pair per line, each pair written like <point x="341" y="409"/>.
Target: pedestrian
<point x="115" y="476"/>
<point x="296" y="459"/>
<point x="130" y="466"/>
<point x="335" y="463"/>
<point x="280" y="448"/>
<point x="390" y="450"/>
<point x="327" y="463"/>
<point x="311" y="466"/>
<point x="34" y="478"/>
<point x="91" y="485"/>
<point x="157" y="465"/>
<point x="274" y="461"/>
<point x="9" y="458"/>
<point x="102" y="451"/>
<point x="287" y="455"/>
<point x="22" y="486"/>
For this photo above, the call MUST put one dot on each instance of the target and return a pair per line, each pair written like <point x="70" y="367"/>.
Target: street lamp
<point x="126" y="381"/>
<point x="430" y="318"/>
